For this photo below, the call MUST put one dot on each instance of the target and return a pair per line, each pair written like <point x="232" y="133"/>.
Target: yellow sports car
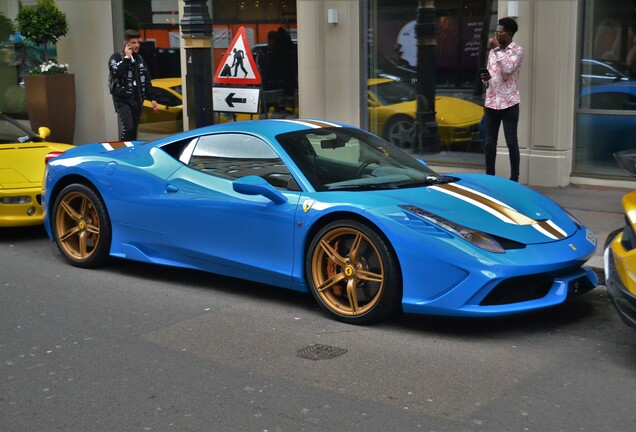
<point x="392" y="107"/>
<point x="22" y="164"/>
<point x="169" y="116"/>
<point x="620" y="251"/>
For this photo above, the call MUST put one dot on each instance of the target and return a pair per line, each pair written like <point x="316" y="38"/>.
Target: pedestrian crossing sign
<point x="237" y="66"/>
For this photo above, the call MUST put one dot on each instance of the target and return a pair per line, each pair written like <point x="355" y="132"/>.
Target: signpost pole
<point x="196" y="29"/>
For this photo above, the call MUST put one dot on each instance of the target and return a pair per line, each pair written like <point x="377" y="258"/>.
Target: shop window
<point x="463" y="26"/>
<point x="606" y="109"/>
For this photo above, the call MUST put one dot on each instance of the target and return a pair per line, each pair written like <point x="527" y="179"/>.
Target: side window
<point x="232" y="156"/>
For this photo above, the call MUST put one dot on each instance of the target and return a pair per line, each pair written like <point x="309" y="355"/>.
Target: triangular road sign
<point x="238" y="66"/>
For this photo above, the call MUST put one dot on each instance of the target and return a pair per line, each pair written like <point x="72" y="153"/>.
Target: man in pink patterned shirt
<point x="502" y="95"/>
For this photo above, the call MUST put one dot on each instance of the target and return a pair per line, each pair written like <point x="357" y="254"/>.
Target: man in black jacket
<point x="130" y="84"/>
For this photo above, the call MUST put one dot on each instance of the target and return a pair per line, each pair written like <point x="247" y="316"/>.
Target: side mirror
<point x="254" y="185"/>
<point x="44" y="132"/>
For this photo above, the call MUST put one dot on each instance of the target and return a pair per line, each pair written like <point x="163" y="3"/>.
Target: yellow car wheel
<point x="400" y="131"/>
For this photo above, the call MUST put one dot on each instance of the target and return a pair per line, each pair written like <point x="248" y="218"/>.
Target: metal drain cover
<point x="320" y="352"/>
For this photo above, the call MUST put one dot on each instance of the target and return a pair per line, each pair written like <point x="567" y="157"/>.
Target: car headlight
<point x="478" y="238"/>
<point x="16" y="200"/>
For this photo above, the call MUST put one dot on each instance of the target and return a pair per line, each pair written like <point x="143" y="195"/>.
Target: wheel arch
<point x="68" y="180"/>
<point x="339" y="215"/>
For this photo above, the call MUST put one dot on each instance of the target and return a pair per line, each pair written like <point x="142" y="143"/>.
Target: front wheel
<point x="400" y="131"/>
<point x="353" y="274"/>
<point x="81" y="226"/>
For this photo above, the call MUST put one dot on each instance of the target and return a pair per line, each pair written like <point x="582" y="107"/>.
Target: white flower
<point x="50" y="68"/>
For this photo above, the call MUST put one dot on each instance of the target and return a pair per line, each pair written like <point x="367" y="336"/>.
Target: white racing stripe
<point x="484" y="207"/>
<point x="500" y="210"/>
<point x="314" y="124"/>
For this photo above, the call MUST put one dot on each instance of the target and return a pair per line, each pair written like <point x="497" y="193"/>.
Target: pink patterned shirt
<point x="503" y="86"/>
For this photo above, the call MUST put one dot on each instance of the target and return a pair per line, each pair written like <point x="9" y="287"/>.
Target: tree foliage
<point x="43" y="23"/>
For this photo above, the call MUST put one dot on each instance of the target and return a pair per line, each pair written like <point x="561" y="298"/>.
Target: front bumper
<point x="20" y="207"/>
<point x="623" y="300"/>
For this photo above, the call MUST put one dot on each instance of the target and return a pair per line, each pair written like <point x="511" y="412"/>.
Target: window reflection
<point x="606" y="115"/>
<point x="463" y="27"/>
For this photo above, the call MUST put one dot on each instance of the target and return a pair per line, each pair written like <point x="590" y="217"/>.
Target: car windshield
<point x="622" y="68"/>
<point x="177" y="89"/>
<point x="351" y="159"/>
<point x="12" y="132"/>
<point x="393" y="92"/>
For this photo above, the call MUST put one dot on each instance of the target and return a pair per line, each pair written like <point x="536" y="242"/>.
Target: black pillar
<point x="196" y="29"/>
<point x="426" y="34"/>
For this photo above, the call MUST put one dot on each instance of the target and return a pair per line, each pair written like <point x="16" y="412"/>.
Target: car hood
<point x="22" y="164"/>
<point x="409" y="107"/>
<point x="457" y="112"/>
<point x="485" y="203"/>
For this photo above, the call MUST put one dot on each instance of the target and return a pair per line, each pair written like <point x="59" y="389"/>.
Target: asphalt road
<point x="134" y="347"/>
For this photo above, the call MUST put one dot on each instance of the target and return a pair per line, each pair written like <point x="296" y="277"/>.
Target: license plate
<point x="589" y="235"/>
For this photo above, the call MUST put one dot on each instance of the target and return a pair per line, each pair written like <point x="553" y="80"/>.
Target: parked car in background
<point x="392" y="115"/>
<point x="323" y="208"/>
<point x="22" y="165"/>
<point x="169" y="116"/>
<point x="595" y="72"/>
<point x="620" y="251"/>
<point x="607" y="119"/>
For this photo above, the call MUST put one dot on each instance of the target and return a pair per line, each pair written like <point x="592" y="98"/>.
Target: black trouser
<point x="510" y="119"/>
<point x="128" y="115"/>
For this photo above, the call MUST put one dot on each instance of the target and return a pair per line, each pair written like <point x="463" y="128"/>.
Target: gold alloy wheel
<point x="77" y="226"/>
<point x="348" y="272"/>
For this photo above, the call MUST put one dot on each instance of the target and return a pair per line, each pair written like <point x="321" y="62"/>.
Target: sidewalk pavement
<point x="598" y="208"/>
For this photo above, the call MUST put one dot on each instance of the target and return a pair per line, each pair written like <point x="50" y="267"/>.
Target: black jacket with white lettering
<point x="129" y="81"/>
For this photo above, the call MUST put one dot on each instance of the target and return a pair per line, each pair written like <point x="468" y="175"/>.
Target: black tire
<point x="400" y="131"/>
<point x="611" y="236"/>
<point x="81" y="226"/>
<point x="353" y="274"/>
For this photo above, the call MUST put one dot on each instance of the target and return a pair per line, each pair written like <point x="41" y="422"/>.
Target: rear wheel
<point x="81" y="226"/>
<point x="353" y="274"/>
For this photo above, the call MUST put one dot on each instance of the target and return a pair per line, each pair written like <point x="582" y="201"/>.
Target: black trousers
<point x="128" y="115"/>
<point x="510" y="119"/>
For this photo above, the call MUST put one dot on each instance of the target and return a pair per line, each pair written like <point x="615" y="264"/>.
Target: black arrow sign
<point x="230" y="99"/>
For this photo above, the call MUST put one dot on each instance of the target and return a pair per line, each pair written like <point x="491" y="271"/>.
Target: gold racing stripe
<point x="504" y="211"/>
<point x="551" y="229"/>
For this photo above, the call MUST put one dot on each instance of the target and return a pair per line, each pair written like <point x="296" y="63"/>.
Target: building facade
<point x="578" y="101"/>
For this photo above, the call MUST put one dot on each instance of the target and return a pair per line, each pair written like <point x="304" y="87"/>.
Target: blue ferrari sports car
<point x="319" y="207"/>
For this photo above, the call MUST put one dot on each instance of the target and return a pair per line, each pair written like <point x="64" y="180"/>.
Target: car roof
<point x="268" y="128"/>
